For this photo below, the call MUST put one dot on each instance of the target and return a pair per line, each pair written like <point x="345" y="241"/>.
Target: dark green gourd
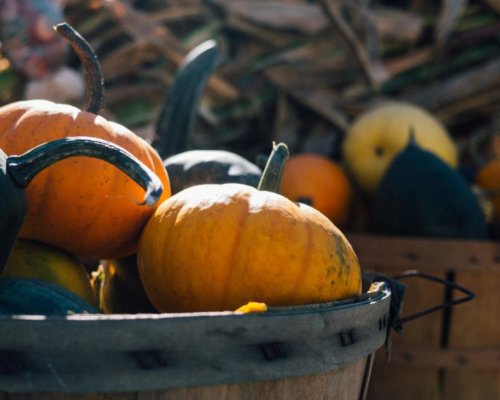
<point x="120" y="288"/>
<point x="422" y="196"/>
<point x="17" y="171"/>
<point x="175" y="125"/>
<point x="30" y="296"/>
<point x="13" y="208"/>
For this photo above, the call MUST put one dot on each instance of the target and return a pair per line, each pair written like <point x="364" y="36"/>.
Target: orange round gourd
<point x="319" y="182"/>
<point x="84" y="206"/>
<point x="218" y="247"/>
<point x="488" y="178"/>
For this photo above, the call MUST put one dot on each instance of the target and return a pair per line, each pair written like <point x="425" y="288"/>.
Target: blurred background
<point x="296" y="71"/>
<point x="291" y="70"/>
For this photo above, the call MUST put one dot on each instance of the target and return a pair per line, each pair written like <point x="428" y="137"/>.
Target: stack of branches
<point x="299" y="71"/>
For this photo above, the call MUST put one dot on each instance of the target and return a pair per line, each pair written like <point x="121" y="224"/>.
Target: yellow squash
<point x="30" y="259"/>
<point x="379" y="134"/>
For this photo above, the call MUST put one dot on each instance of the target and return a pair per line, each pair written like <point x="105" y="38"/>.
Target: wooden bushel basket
<point x="449" y="355"/>
<point x="304" y="352"/>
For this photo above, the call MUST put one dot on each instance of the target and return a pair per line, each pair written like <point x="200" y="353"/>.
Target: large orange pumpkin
<point x="217" y="247"/>
<point x="320" y="182"/>
<point x="84" y="206"/>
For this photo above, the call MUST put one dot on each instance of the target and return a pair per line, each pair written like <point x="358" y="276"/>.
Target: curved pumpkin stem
<point x="271" y="176"/>
<point x="92" y="68"/>
<point x="176" y="121"/>
<point x="25" y="167"/>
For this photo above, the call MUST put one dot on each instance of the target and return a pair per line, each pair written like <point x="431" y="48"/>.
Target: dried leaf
<point x="495" y="4"/>
<point x="258" y="32"/>
<point x="303" y="17"/>
<point x="144" y="29"/>
<point x="365" y="53"/>
<point x="398" y="25"/>
<point x="458" y="87"/>
<point x="451" y="11"/>
<point x="318" y="100"/>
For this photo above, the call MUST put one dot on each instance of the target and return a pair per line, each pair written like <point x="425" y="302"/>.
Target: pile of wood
<point x="299" y="71"/>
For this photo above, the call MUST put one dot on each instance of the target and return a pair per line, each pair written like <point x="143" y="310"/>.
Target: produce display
<point x="248" y="236"/>
<point x="217" y="247"/>
<point x="376" y="136"/>
<point x="214" y="232"/>
<point x="78" y="219"/>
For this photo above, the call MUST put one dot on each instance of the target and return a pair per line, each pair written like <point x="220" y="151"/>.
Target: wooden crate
<point x="449" y="355"/>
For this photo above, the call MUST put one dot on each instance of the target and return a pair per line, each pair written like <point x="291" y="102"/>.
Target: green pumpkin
<point x="175" y="125"/>
<point x="13" y="208"/>
<point x="38" y="297"/>
<point x="197" y="167"/>
<point x="422" y="196"/>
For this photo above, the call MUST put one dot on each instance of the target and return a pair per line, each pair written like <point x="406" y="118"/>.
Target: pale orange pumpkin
<point x="82" y="205"/>
<point x="217" y="247"/>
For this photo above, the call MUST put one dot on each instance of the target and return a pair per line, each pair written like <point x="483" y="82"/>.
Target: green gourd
<point x="422" y="196"/>
<point x="175" y="125"/>
<point x="38" y="297"/>
<point x="17" y="171"/>
<point x="120" y="290"/>
<point x="33" y="259"/>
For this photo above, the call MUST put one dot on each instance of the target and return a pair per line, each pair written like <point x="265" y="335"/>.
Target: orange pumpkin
<point x="319" y="182"/>
<point x="488" y="179"/>
<point x="84" y="206"/>
<point x="217" y="247"/>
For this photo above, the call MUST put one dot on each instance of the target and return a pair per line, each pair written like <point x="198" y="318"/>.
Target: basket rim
<point x="381" y="292"/>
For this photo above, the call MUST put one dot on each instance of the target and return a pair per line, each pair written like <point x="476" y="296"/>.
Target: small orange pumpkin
<point x="320" y="182"/>
<point x="84" y="206"/>
<point x="217" y="247"/>
<point x="488" y="179"/>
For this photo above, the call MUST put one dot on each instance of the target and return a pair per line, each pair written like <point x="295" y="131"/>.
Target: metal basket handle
<point x="469" y="295"/>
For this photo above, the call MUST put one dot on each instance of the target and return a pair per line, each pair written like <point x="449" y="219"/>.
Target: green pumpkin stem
<point x="176" y="121"/>
<point x="273" y="171"/>
<point x="92" y="69"/>
<point x="23" y="168"/>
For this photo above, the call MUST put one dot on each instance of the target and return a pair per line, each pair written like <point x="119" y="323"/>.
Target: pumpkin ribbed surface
<point x="217" y="247"/>
<point x="82" y="205"/>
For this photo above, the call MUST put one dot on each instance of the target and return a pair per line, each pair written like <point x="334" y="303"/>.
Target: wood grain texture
<point x="391" y="256"/>
<point x="402" y="254"/>
<point x="475" y="326"/>
<point x="341" y="384"/>
<point x="468" y="368"/>
<point x="392" y="381"/>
